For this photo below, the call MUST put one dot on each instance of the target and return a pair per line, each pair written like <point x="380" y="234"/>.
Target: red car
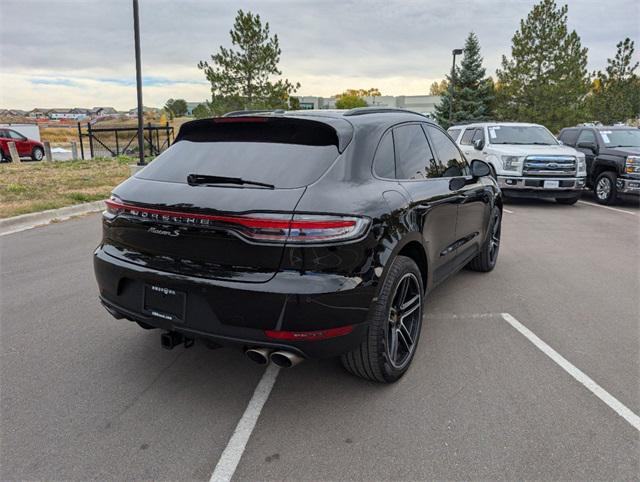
<point x="26" y="147"/>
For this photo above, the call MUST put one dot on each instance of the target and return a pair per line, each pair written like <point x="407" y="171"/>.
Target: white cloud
<point x="398" y="46"/>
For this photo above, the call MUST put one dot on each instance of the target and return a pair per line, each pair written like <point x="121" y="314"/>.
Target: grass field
<point x="35" y="186"/>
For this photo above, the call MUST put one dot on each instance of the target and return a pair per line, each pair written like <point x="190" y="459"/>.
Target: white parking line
<point x="576" y="373"/>
<point x="607" y="207"/>
<point x="232" y="453"/>
<point x="507" y="211"/>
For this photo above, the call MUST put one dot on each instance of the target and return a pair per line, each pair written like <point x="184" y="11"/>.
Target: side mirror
<point x="480" y="168"/>
<point x="478" y="144"/>
<point x="588" y="145"/>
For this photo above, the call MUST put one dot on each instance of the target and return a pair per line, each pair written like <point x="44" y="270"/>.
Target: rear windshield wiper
<point x="203" y="180"/>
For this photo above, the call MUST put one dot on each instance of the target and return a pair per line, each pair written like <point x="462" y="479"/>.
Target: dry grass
<point x="59" y="135"/>
<point x="35" y="186"/>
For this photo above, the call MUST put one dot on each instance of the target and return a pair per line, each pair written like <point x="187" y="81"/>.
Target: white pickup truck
<point x="526" y="159"/>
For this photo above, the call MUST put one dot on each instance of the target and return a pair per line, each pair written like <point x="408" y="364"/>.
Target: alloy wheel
<point x="403" y="325"/>
<point x="494" y="241"/>
<point x="603" y="189"/>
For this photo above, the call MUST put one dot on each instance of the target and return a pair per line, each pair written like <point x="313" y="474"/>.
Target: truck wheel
<point x="486" y="260"/>
<point x="37" y="154"/>
<point x="567" y="200"/>
<point x="605" y="188"/>
<point x="395" y="322"/>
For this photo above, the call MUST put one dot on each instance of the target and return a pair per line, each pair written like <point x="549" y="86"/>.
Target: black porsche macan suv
<point x="298" y="234"/>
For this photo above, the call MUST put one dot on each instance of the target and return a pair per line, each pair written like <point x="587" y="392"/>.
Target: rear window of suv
<point x="284" y="154"/>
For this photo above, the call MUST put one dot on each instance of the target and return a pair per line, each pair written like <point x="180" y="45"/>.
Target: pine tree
<point x="615" y="93"/>
<point x="473" y="91"/>
<point x="545" y="81"/>
<point x="243" y="78"/>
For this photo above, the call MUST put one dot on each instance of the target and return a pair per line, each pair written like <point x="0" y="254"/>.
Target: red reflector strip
<point x="229" y="120"/>
<point x="246" y="221"/>
<point x="322" y="224"/>
<point x="309" y="335"/>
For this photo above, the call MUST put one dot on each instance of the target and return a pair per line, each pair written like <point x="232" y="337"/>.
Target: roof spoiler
<point x="240" y="113"/>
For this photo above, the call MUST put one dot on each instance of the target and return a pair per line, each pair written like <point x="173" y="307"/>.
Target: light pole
<point x="453" y="79"/>
<point x="136" y="32"/>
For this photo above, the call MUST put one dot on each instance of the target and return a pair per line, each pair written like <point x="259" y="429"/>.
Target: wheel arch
<point x="411" y="246"/>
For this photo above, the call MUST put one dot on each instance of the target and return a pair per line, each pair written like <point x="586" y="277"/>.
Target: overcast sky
<point x="66" y="53"/>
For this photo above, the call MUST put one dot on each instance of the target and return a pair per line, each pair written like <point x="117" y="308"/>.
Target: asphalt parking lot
<point x="84" y="396"/>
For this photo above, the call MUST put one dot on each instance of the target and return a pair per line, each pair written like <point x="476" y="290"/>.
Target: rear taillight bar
<point x="309" y="335"/>
<point x="261" y="227"/>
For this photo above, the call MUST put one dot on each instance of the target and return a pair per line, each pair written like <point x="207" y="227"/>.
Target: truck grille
<point x="549" y="166"/>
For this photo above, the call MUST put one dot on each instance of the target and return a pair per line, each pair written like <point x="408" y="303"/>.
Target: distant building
<point x="38" y="113"/>
<point x="13" y="113"/>
<point x="59" y="114"/>
<point x="145" y="110"/>
<point x="102" y="111"/>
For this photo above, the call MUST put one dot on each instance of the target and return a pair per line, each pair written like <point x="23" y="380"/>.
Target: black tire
<point x="569" y="201"/>
<point x="37" y="154"/>
<point x="486" y="260"/>
<point x="373" y="360"/>
<point x="605" y="188"/>
<point x="3" y="158"/>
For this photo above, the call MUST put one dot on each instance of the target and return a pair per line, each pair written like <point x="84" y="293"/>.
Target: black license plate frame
<point x="164" y="302"/>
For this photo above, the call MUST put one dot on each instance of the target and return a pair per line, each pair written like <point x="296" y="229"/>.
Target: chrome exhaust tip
<point x="285" y="359"/>
<point x="258" y="355"/>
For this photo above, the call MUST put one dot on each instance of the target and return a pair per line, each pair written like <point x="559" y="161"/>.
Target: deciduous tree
<point x="439" y="88"/>
<point x="176" y="107"/>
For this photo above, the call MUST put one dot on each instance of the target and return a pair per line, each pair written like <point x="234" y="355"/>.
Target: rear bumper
<point x="232" y="313"/>
<point x="517" y="186"/>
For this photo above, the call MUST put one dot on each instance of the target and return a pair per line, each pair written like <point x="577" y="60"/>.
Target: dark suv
<point x="613" y="159"/>
<point x="298" y="234"/>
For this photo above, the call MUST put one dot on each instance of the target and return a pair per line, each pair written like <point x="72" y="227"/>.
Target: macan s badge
<point x="164" y="232"/>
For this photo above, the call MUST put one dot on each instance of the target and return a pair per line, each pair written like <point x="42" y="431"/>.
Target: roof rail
<point x="379" y="110"/>
<point x="478" y="121"/>
<point x="240" y="113"/>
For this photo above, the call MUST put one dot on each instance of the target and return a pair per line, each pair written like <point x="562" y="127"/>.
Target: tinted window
<point x="454" y="133"/>
<point x="448" y="153"/>
<point x="384" y="164"/>
<point x="283" y="165"/>
<point x="569" y="136"/>
<point x="586" y="135"/>
<point x="467" y="137"/>
<point x="413" y="154"/>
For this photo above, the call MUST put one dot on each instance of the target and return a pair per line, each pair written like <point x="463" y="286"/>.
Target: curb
<point x="27" y="221"/>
